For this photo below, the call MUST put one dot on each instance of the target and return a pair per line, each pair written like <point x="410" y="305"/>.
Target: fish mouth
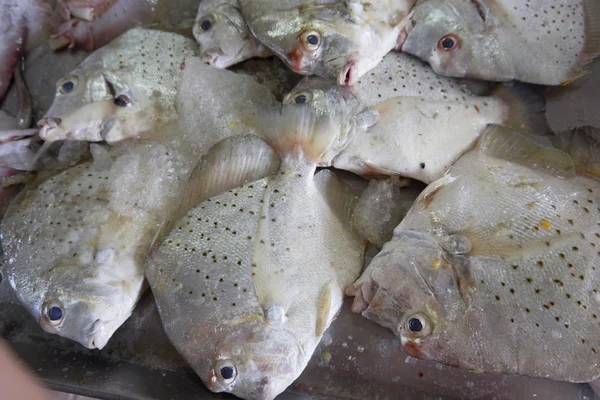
<point x="349" y="75"/>
<point x="47" y="125"/>
<point x="96" y="339"/>
<point x="408" y="26"/>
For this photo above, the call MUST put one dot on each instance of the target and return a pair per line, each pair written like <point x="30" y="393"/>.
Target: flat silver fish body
<point x="122" y="90"/>
<point x="75" y="244"/>
<point x="333" y="39"/>
<point x="546" y="42"/>
<point x="403" y="119"/>
<point x="223" y="35"/>
<point x="495" y="267"/>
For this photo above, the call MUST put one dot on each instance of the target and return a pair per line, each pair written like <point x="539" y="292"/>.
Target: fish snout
<point x="96" y="339"/>
<point x="350" y="74"/>
<point x="211" y="56"/>
<point x="46" y="125"/>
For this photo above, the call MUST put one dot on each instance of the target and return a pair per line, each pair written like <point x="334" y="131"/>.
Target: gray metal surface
<point x="357" y="359"/>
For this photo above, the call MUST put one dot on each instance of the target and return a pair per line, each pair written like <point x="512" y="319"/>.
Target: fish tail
<point x="297" y="129"/>
<point x="526" y="109"/>
<point x="591" y="10"/>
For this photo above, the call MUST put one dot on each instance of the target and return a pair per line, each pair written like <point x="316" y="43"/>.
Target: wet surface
<point x="356" y="359"/>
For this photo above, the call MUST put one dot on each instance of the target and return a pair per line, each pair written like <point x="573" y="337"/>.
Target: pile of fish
<point x="168" y="159"/>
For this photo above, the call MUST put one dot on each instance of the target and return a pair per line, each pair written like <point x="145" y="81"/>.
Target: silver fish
<point x="75" y="244"/>
<point x="123" y="90"/>
<point x="403" y="119"/>
<point x="547" y="42"/>
<point x="339" y="40"/>
<point x="246" y="328"/>
<point x="224" y="36"/>
<point x="495" y="267"/>
<point x="201" y="278"/>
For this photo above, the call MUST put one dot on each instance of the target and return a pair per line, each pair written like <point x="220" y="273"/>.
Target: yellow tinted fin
<point x="507" y="144"/>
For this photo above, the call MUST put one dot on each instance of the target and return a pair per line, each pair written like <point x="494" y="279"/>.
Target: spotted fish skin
<point x="403" y="119"/>
<point x="123" y="90"/>
<point x="201" y="277"/>
<point x="77" y="242"/>
<point x="495" y="267"/>
<point x="546" y="42"/>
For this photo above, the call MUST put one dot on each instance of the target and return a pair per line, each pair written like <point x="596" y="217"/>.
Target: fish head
<point x="455" y="39"/>
<point x="223" y="35"/>
<point x="72" y="303"/>
<point x="326" y="41"/>
<point x="95" y="105"/>
<point x="410" y="288"/>
<point x="324" y="96"/>
<point x="253" y="360"/>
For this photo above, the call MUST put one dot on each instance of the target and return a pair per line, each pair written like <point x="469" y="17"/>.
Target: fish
<point x="245" y="330"/>
<point x="397" y="118"/>
<point x="75" y="243"/>
<point x="495" y="267"/>
<point x="24" y="23"/>
<point x="487" y="39"/>
<point x="305" y="250"/>
<point x="224" y="36"/>
<point x="337" y="40"/>
<point x="123" y="90"/>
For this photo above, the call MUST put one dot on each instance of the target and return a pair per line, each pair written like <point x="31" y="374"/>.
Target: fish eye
<point x="122" y="101"/>
<point x="311" y="40"/>
<point x="206" y="24"/>
<point x="226" y="372"/>
<point x="302" y="98"/>
<point x="67" y="85"/>
<point x="53" y="312"/>
<point x="418" y="325"/>
<point x="449" y="42"/>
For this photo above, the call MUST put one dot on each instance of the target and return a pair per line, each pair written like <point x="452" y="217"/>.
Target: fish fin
<point x="229" y="164"/>
<point x="591" y="11"/>
<point x="323" y="310"/>
<point x="507" y="144"/>
<point x="299" y="130"/>
<point x="526" y="109"/>
<point x="583" y="144"/>
<point x="338" y="196"/>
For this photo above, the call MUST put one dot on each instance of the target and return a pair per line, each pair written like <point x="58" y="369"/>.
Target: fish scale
<point x="395" y="117"/>
<point x="503" y="253"/>
<point x="202" y="280"/>
<point x="546" y="42"/>
<point x="144" y="65"/>
<point x="63" y="251"/>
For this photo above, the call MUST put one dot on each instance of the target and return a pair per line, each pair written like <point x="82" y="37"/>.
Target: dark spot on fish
<point x="529" y="280"/>
<point x="559" y="282"/>
<point x="207" y="277"/>
<point x="541" y="264"/>
<point x="538" y="291"/>
<point x="582" y="277"/>
<point x="498" y="298"/>
<point x="422" y="165"/>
